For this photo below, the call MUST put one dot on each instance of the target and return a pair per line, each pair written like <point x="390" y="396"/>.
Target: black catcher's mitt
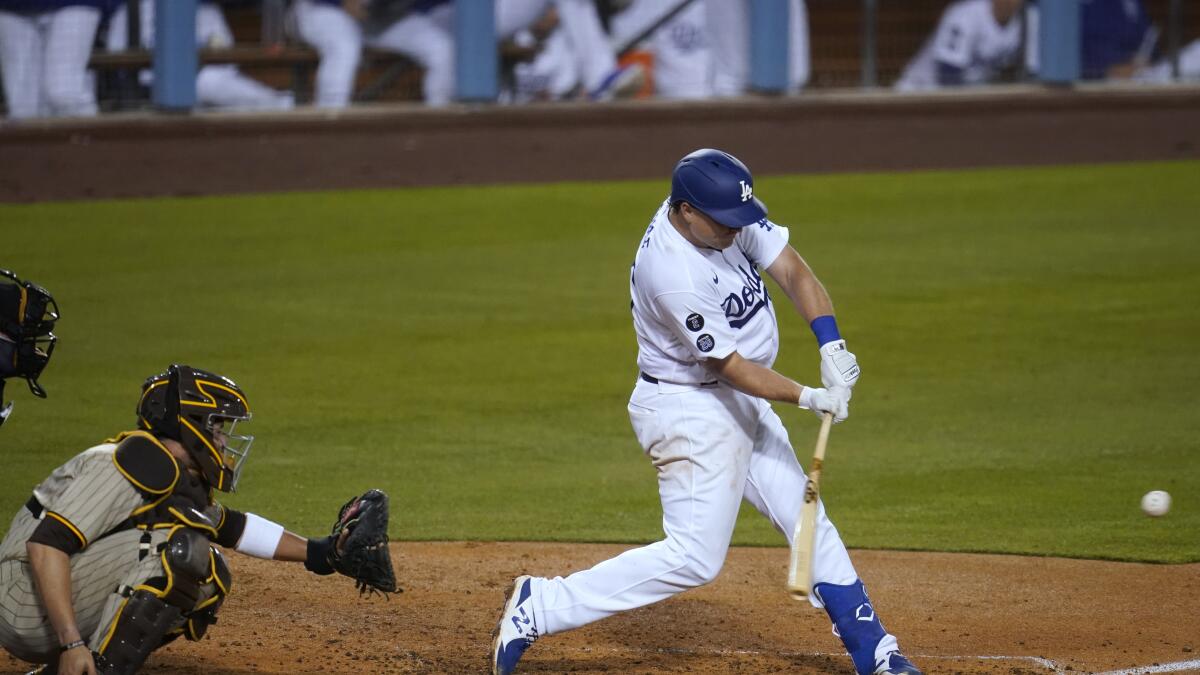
<point x="360" y="544"/>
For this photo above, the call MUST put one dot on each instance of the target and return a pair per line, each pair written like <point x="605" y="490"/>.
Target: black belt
<point x="654" y="380"/>
<point x="35" y="507"/>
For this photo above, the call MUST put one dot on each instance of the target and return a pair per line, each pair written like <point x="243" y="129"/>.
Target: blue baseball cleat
<point x="516" y="630"/>
<point x="896" y="664"/>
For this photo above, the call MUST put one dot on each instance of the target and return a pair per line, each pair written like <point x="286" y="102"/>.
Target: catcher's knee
<point x="184" y="602"/>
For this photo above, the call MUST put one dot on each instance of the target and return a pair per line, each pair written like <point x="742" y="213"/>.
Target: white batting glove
<point x="821" y="401"/>
<point x="839" y="368"/>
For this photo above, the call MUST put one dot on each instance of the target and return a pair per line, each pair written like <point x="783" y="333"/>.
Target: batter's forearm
<point x="750" y="378"/>
<point x="52" y="575"/>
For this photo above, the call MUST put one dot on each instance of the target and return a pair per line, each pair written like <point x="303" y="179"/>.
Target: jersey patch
<point x="705" y="343"/>
<point x="146" y="463"/>
<point x="694" y="322"/>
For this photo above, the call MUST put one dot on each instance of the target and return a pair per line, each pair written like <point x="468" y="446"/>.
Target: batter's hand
<point x="77" y="661"/>
<point x="821" y="401"/>
<point x="839" y="368"/>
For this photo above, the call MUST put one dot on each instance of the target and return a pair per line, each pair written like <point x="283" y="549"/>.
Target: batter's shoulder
<point x="146" y="463"/>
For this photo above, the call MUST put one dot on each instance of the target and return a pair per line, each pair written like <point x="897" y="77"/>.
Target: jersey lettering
<point x="741" y="307"/>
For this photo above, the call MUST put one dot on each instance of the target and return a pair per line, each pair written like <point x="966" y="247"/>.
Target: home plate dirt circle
<point x="953" y="613"/>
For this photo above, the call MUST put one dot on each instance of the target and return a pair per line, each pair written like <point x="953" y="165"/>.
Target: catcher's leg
<point x="25" y="630"/>
<point x="183" y="600"/>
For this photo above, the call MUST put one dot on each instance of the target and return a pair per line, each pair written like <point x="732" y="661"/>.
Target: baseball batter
<point x="112" y="555"/>
<point x="974" y="41"/>
<point x="707" y="337"/>
<point x="44" y="50"/>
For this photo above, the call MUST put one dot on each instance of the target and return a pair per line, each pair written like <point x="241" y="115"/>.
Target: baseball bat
<point x="799" y="582"/>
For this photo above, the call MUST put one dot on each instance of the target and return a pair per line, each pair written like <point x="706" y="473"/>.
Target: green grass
<point x="1028" y="339"/>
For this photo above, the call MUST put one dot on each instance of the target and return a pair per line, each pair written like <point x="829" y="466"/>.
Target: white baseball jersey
<point x="711" y="445"/>
<point x="692" y="304"/>
<point x="967" y="38"/>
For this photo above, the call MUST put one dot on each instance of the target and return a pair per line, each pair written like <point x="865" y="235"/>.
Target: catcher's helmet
<point x="27" y="316"/>
<point x="719" y="185"/>
<point x="200" y="410"/>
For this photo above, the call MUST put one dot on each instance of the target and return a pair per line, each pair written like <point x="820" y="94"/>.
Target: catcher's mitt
<point x="360" y="544"/>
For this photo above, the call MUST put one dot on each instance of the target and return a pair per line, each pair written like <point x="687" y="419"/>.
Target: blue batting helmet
<point x="719" y="185"/>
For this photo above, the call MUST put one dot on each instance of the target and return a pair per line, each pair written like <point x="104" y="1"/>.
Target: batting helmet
<point x="200" y="410"/>
<point x="719" y="185"/>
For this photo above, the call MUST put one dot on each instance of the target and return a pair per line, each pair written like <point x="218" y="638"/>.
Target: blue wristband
<point x="826" y="330"/>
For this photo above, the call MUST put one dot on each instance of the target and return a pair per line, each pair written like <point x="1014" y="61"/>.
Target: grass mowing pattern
<point x="1028" y="339"/>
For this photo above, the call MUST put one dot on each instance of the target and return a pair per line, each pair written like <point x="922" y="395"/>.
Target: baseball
<point x="1156" y="503"/>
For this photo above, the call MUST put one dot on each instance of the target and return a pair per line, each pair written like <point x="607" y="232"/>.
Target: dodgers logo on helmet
<point x="719" y="185"/>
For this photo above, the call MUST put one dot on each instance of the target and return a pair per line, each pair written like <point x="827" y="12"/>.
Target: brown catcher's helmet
<point x="200" y="410"/>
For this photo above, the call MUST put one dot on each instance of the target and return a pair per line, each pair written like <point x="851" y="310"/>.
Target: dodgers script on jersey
<point x="692" y="304"/>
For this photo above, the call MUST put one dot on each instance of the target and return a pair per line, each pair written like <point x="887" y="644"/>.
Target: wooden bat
<point x="799" y="582"/>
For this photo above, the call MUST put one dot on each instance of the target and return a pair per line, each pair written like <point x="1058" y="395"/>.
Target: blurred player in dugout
<point x="113" y="554"/>
<point x="44" y="50"/>
<point x="976" y="41"/>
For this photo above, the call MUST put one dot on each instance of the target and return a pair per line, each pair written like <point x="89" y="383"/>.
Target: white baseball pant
<point x="338" y="38"/>
<point x="711" y="447"/>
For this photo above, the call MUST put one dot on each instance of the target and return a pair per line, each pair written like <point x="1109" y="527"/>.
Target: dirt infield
<point x="954" y="613"/>
<point x="398" y="146"/>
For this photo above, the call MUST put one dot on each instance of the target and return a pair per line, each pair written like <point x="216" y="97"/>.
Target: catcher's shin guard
<point x="139" y="629"/>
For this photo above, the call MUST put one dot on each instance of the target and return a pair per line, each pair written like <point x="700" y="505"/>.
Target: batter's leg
<point x="21" y="53"/>
<point x="701" y="453"/>
<point x="69" y="38"/>
<point x="775" y="486"/>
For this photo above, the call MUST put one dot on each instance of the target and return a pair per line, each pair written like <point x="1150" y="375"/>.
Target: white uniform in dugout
<point x="970" y="46"/>
<point x="701" y="307"/>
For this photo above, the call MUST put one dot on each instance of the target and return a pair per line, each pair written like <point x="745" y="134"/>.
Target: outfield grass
<point x="1028" y="339"/>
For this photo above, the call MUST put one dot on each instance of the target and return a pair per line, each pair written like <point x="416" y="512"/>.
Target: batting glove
<point x="821" y="401"/>
<point x="839" y="368"/>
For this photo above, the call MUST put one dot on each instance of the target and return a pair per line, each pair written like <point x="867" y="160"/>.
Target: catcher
<point x="112" y="556"/>
<point x="27" y="316"/>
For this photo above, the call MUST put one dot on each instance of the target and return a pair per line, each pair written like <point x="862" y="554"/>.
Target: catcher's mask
<point x="201" y="411"/>
<point x="27" y="316"/>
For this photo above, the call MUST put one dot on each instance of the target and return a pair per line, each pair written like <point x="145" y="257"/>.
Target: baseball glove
<point x="360" y="544"/>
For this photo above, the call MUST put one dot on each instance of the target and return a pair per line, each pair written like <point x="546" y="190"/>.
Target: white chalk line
<point x="1174" y="667"/>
